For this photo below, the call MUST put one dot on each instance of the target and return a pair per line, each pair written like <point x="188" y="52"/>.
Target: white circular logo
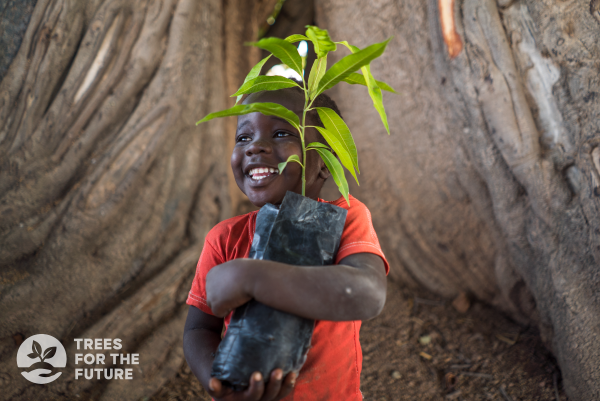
<point x="39" y="356"/>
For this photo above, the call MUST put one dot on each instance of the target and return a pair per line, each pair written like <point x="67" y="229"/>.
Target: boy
<point x="338" y="296"/>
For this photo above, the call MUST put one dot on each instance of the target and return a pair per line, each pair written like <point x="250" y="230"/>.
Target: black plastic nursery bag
<point x="259" y="338"/>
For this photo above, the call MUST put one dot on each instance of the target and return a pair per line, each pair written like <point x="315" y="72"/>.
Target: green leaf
<point x="338" y="147"/>
<point x="316" y="73"/>
<point x="268" y="109"/>
<point x="296" y="38"/>
<point x="292" y="158"/>
<point x="334" y="124"/>
<point x="265" y="83"/>
<point x="283" y="50"/>
<point x="321" y="40"/>
<point x="373" y="86"/>
<point x="254" y="72"/>
<point x="337" y="172"/>
<point x="376" y="96"/>
<point x="359" y="79"/>
<point x="316" y="145"/>
<point x="352" y="48"/>
<point x="350" y="64"/>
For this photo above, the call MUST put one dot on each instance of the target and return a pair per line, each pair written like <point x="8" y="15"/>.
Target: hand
<point x="276" y="389"/>
<point x="227" y="287"/>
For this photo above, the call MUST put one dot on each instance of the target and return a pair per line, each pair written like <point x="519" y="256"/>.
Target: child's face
<point x="262" y="142"/>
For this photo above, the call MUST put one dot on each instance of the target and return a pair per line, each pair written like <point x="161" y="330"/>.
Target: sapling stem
<point x="303" y="127"/>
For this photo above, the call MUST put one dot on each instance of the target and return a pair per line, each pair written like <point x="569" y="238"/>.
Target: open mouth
<point x="260" y="173"/>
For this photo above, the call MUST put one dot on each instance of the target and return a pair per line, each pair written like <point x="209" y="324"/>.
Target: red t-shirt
<point x="334" y="362"/>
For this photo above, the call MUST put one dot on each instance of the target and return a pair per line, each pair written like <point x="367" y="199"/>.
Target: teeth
<point x="262" y="170"/>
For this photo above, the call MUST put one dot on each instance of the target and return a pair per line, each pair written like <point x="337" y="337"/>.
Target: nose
<point x="257" y="146"/>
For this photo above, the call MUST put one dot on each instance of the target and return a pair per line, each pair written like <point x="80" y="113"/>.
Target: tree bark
<point x="107" y="188"/>
<point x="489" y="183"/>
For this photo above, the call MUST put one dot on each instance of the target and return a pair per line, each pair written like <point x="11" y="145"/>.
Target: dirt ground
<point x="422" y="348"/>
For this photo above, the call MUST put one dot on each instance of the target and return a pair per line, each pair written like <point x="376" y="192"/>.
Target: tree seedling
<point x="335" y="131"/>
<point x="37" y="352"/>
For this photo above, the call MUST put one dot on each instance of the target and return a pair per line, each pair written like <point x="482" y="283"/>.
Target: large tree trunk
<point x="489" y="183"/>
<point x="107" y="187"/>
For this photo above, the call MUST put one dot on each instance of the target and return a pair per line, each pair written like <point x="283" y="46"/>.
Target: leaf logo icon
<point x="37" y="351"/>
<point x="49" y="353"/>
<point x="33" y="354"/>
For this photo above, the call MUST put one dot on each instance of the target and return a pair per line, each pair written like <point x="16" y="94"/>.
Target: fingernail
<point x="278" y="375"/>
<point x="257" y="377"/>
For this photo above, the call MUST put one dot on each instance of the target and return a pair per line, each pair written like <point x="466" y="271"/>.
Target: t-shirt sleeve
<point x="359" y="235"/>
<point x="209" y="258"/>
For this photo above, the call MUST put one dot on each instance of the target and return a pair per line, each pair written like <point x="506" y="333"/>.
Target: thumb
<point x="215" y="386"/>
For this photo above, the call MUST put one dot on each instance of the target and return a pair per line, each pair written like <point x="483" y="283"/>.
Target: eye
<point x="281" y="134"/>
<point x="243" y="138"/>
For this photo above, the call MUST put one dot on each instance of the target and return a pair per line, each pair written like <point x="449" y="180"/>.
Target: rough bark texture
<point x="107" y="188"/>
<point x="489" y="183"/>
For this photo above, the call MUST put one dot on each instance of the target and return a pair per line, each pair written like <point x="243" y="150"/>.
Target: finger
<point x="274" y="385"/>
<point x="256" y="389"/>
<point x="288" y="385"/>
<point x="216" y="387"/>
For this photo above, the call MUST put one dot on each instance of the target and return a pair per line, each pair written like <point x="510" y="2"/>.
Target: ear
<point x="324" y="172"/>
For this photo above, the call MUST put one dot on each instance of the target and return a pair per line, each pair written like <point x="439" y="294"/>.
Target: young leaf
<point x="268" y="109"/>
<point x="49" y="353"/>
<point x="316" y="73"/>
<point x="296" y="38"/>
<point x="359" y="79"/>
<point x="350" y="64"/>
<point x="37" y="348"/>
<point x="292" y="158"/>
<point x="316" y="145"/>
<point x="265" y="83"/>
<point x="32" y="355"/>
<point x="254" y="72"/>
<point x="334" y="124"/>
<point x="352" y="48"/>
<point x="338" y="147"/>
<point x="321" y="40"/>
<point x="337" y="172"/>
<point x="376" y="96"/>
<point x="283" y="50"/>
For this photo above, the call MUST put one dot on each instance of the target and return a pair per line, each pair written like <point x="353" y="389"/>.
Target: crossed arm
<point x="352" y="290"/>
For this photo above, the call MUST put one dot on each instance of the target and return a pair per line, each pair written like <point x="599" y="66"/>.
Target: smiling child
<point x="337" y="296"/>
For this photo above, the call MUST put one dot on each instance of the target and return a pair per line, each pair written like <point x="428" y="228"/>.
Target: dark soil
<point x="421" y="348"/>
